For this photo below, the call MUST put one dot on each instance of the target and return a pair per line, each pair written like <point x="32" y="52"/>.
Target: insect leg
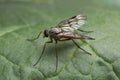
<point x="43" y="50"/>
<point x="35" y="37"/>
<point x="56" y="55"/>
<point x="86" y="37"/>
<point x="80" y="47"/>
<point x="85" y="31"/>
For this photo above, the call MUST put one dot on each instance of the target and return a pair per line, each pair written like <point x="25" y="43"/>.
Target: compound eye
<point x="46" y="33"/>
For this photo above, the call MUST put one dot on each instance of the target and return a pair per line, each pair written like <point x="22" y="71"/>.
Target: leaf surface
<point x="20" y="20"/>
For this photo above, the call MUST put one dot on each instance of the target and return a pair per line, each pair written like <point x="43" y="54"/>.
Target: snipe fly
<point x="64" y="31"/>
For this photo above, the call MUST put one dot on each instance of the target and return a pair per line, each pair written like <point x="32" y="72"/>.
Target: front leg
<point x="35" y="37"/>
<point x="51" y="40"/>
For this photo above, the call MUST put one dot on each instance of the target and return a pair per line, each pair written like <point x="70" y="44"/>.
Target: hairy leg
<point x="80" y="47"/>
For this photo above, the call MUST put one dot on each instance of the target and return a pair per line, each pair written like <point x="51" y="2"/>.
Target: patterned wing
<point x="72" y="23"/>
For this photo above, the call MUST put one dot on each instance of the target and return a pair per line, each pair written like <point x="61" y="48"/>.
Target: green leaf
<point x="20" y="20"/>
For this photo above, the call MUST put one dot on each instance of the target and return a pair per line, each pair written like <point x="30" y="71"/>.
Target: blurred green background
<point x="22" y="19"/>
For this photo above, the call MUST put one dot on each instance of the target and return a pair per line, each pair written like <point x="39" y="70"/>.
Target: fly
<point x="64" y="31"/>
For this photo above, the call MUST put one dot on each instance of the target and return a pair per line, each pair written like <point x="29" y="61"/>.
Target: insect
<point x="64" y="31"/>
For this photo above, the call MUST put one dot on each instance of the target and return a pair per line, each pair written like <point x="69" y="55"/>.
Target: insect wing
<point x="72" y="23"/>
